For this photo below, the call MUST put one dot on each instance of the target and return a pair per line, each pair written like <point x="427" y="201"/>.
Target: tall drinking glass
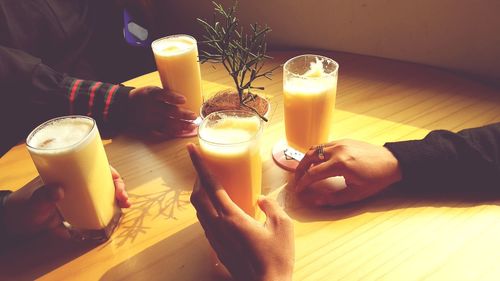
<point x="230" y="145"/>
<point x="68" y="151"/>
<point x="177" y="62"/>
<point x="309" y="88"/>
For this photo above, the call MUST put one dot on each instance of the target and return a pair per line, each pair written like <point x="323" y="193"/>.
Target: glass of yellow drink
<point x="309" y="89"/>
<point x="177" y="62"/>
<point x="230" y="145"/>
<point x="68" y="151"/>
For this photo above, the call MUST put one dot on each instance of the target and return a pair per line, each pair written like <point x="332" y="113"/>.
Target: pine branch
<point x="242" y="55"/>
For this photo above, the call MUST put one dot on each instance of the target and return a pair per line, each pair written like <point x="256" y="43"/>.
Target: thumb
<point x="274" y="213"/>
<point x="44" y="199"/>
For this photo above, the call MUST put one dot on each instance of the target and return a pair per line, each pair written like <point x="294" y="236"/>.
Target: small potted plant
<point x="242" y="55"/>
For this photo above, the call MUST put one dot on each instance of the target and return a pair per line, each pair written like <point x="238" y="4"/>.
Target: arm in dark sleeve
<point x="3" y="197"/>
<point x="60" y="93"/>
<point x="468" y="160"/>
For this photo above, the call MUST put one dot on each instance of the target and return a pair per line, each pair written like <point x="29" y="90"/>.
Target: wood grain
<point x="394" y="236"/>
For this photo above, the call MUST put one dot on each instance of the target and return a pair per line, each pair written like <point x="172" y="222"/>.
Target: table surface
<point x="394" y="236"/>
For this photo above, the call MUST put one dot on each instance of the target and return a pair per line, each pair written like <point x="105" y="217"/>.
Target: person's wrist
<point x="4" y="195"/>
<point x="394" y="168"/>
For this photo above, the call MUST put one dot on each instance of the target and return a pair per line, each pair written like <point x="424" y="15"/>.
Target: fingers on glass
<point x="206" y="210"/>
<point x="120" y="192"/>
<point x="114" y="173"/>
<point x="217" y="195"/>
<point x="170" y="97"/>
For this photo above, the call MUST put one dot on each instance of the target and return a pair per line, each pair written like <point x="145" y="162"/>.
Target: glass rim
<point x="285" y="69"/>
<point x="249" y="114"/>
<point x="156" y="41"/>
<point x="44" y="124"/>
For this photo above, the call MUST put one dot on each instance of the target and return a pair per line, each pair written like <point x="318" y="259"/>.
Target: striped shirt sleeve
<point x="104" y="102"/>
<point x="33" y="92"/>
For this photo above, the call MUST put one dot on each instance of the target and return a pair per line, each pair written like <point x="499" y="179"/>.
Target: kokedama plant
<point x="242" y="55"/>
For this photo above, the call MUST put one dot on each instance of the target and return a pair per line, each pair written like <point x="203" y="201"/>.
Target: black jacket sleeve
<point x="468" y="160"/>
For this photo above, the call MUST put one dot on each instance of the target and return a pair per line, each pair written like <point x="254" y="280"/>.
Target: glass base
<point x="95" y="235"/>
<point x="187" y="134"/>
<point x="190" y="133"/>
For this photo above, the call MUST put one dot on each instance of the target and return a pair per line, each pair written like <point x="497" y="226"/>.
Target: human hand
<point x="249" y="250"/>
<point x="367" y="169"/>
<point x="27" y="212"/>
<point x="154" y="109"/>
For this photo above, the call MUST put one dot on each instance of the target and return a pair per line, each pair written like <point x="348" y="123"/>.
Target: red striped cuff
<point x="72" y="95"/>
<point x="93" y="90"/>
<point x="111" y="92"/>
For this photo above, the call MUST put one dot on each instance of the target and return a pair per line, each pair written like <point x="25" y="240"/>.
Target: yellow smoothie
<point x="177" y="63"/>
<point x="231" y="151"/>
<point x="309" y="100"/>
<point x="69" y="152"/>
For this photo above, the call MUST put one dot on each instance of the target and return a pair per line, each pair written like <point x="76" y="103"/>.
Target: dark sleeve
<point x="467" y="160"/>
<point x="3" y="196"/>
<point x="63" y="94"/>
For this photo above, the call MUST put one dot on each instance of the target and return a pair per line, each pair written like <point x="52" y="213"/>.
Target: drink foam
<point x="231" y="130"/>
<point x="316" y="69"/>
<point x="229" y="135"/>
<point x="315" y="81"/>
<point x="173" y="46"/>
<point x="301" y="86"/>
<point x="60" y="133"/>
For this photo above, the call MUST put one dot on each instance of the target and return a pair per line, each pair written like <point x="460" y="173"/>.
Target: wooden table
<point x="394" y="236"/>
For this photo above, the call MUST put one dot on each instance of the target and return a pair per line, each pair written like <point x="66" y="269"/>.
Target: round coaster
<point x="281" y="159"/>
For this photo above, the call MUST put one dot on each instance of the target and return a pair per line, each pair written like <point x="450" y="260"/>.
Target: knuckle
<point x="343" y="148"/>
<point x="281" y="220"/>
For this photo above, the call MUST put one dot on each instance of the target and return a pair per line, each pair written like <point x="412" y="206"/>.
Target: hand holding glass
<point x="68" y="151"/>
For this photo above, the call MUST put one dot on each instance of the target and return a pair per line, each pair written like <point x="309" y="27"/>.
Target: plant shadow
<point x="157" y="183"/>
<point x="156" y="205"/>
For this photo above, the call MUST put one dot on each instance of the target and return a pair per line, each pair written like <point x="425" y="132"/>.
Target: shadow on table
<point x="157" y="169"/>
<point x="36" y="257"/>
<point x="185" y="255"/>
<point x="393" y="198"/>
<point x="140" y="159"/>
<point x="155" y="205"/>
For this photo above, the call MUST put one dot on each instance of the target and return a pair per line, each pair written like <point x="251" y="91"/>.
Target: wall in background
<point x="462" y="35"/>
